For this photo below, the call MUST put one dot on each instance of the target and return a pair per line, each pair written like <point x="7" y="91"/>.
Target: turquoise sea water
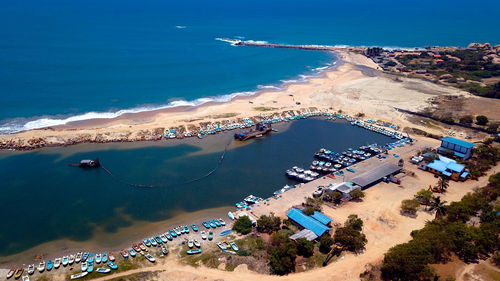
<point x="43" y="199"/>
<point x="67" y="58"/>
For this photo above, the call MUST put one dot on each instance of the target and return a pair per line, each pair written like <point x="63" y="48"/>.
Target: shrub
<point x="410" y="206"/>
<point x="357" y="194"/>
<point x="325" y="244"/>
<point x="467" y="120"/>
<point x="424" y="196"/>
<point x="243" y="225"/>
<point x="282" y="253"/>
<point x="268" y="224"/>
<point x="305" y="247"/>
<point x="481" y="120"/>
<point x="308" y="211"/>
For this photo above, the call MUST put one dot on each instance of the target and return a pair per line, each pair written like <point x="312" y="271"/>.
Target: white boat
<point x="196" y="243"/>
<point x="78" y="257"/>
<point x="190" y="243"/>
<point x="98" y="258"/>
<point x="103" y="270"/>
<point x="26" y="278"/>
<point x="221" y="246"/>
<point x="41" y="266"/>
<point x="234" y="246"/>
<point x="78" y="275"/>
<point x="111" y="256"/>
<point x="71" y="259"/>
<point x="57" y="262"/>
<point x="222" y="222"/>
<point x="84" y="266"/>
<point x="31" y="269"/>
<point x="65" y="261"/>
<point x="149" y="257"/>
<point x="230" y="215"/>
<point x="203" y="235"/>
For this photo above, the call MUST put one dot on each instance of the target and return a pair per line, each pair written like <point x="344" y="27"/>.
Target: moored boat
<point x="132" y="252"/>
<point x="111" y="256"/>
<point x="225" y="232"/>
<point x="104" y="258"/>
<point x="71" y="259"/>
<point x="221" y="246"/>
<point x="147" y="242"/>
<point x="194" y="227"/>
<point x="78" y="275"/>
<point x="124" y="254"/>
<point x="98" y="258"/>
<point x="149" y="257"/>
<point x="190" y="243"/>
<point x="163" y="238"/>
<point x="153" y="242"/>
<point x="26" y="278"/>
<point x="203" y="235"/>
<point x="136" y="248"/>
<point x="103" y="270"/>
<point x="222" y="222"/>
<point x="41" y="266"/>
<point x="78" y="257"/>
<point x="90" y="267"/>
<point x="65" y="261"/>
<point x="18" y="273"/>
<point x="234" y="246"/>
<point x="210" y="235"/>
<point x="231" y="215"/>
<point x="196" y="243"/>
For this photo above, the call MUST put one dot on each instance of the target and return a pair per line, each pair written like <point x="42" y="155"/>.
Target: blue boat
<point x="225" y="232"/>
<point x="194" y="227"/>
<point x="147" y="242"/>
<point x="112" y="265"/>
<point x="91" y="258"/>
<point x="169" y="237"/>
<point x="193" y="251"/>
<point x="85" y="256"/>
<point x="206" y="224"/>
<point x="50" y="265"/>
<point x="104" y="258"/>
<point x="186" y="229"/>
<point x="217" y="223"/>
<point x="103" y="270"/>
<point x="158" y="239"/>
<point x="132" y="252"/>
<point x="90" y="267"/>
<point x="212" y="224"/>
<point x="172" y="233"/>
<point x="230" y="215"/>
<point x="351" y="170"/>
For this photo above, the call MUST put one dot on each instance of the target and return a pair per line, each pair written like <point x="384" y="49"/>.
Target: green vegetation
<point x="350" y="235"/>
<point x="357" y="194"/>
<point x="325" y="244"/>
<point x="449" y="233"/>
<point x="424" y="196"/>
<point x="410" y="207"/>
<point x="308" y="210"/>
<point x="483" y="158"/>
<point x="243" y="225"/>
<point x="443" y="183"/>
<point x="305" y="247"/>
<point x="282" y="253"/>
<point x="438" y="206"/>
<point x="263" y="108"/>
<point x="481" y="120"/>
<point x="268" y="224"/>
<point x="466" y="120"/>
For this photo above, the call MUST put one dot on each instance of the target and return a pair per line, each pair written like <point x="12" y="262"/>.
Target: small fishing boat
<point x="103" y="270"/>
<point x="153" y="242"/>
<point x="137" y="248"/>
<point x="104" y="258"/>
<point x="193" y="251"/>
<point x="212" y="224"/>
<point x="158" y="240"/>
<point x="147" y="242"/>
<point x="182" y="229"/>
<point x="143" y="246"/>
<point x="18" y="272"/>
<point x="85" y="256"/>
<point x="190" y="243"/>
<point x="169" y="237"/>
<point x="71" y="259"/>
<point x="194" y="227"/>
<point x="196" y="243"/>
<point x="221" y="246"/>
<point x="98" y="258"/>
<point x="124" y="254"/>
<point x="222" y="222"/>
<point x="172" y="233"/>
<point x="132" y="252"/>
<point x="203" y="235"/>
<point x="10" y="273"/>
<point x="206" y="224"/>
<point x="26" y="278"/>
<point x="111" y="256"/>
<point x="231" y="215"/>
<point x="225" y="232"/>
<point x="217" y="223"/>
<point x="234" y="246"/>
<point x="50" y="265"/>
<point x="78" y="257"/>
<point x="57" y="262"/>
<point x="186" y="229"/>
<point x="164" y="250"/>
<point x="78" y="275"/>
<point x="90" y="267"/>
<point x="91" y="258"/>
<point x="83" y="266"/>
<point x="112" y="265"/>
<point x="210" y="235"/>
<point x="177" y="231"/>
<point x="31" y="269"/>
<point x="65" y="261"/>
<point x="41" y="266"/>
<point x="164" y="238"/>
<point x="149" y="257"/>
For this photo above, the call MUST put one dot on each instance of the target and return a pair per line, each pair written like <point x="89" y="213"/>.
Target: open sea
<point x="74" y="60"/>
<point x="64" y="60"/>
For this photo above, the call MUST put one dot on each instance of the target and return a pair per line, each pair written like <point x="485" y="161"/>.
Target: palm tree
<point x="443" y="183"/>
<point x="437" y="205"/>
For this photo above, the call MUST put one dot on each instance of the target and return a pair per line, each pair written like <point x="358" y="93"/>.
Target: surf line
<point x="211" y="172"/>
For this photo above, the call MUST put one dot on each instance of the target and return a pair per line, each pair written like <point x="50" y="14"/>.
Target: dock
<point x="251" y="43"/>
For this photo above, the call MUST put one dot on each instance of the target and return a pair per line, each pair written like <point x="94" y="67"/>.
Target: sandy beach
<point x="354" y="85"/>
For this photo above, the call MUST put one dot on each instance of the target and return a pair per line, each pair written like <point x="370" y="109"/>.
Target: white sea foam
<point x="180" y="26"/>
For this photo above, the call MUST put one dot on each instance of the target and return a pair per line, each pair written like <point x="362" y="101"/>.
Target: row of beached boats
<point x="301" y="175"/>
<point x="247" y="201"/>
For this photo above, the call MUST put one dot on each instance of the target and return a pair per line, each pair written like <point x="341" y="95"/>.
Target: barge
<point x="260" y="130"/>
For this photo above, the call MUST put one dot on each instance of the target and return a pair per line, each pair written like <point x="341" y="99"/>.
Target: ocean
<point x="63" y="61"/>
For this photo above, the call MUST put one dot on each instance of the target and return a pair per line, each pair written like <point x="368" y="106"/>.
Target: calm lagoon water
<point x="43" y="199"/>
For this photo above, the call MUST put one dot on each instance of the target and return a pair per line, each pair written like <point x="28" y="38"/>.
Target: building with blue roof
<point x="449" y="168"/>
<point x="321" y="218"/>
<point x="307" y="222"/>
<point x="460" y="148"/>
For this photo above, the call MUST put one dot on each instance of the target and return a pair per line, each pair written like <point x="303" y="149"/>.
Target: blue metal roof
<point x="307" y="222"/>
<point x="458" y="142"/>
<point x="438" y="166"/>
<point x="455" y="167"/>
<point x="321" y="218"/>
<point x="464" y="174"/>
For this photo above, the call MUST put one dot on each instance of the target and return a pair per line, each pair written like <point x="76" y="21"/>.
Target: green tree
<point x="407" y="261"/>
<point x="443" y="183"/>
<point x="325" y="244"/>
<point x="243" y="225"/>
<point x="410" y="206"/>
<point x="282" y="253"/>
<point x="481" y="120"/>
<point x="357" y="194"/>
<point x="467" y="120"/>
<point x="305" y="247"/>
<point x="268" y="224"/>
<point x="308" y="211"/>
<point x="350" y="238"/>
<point x="354" y="222"/>
<point x="424" y="196"/>
<point x="438" y="206"/>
